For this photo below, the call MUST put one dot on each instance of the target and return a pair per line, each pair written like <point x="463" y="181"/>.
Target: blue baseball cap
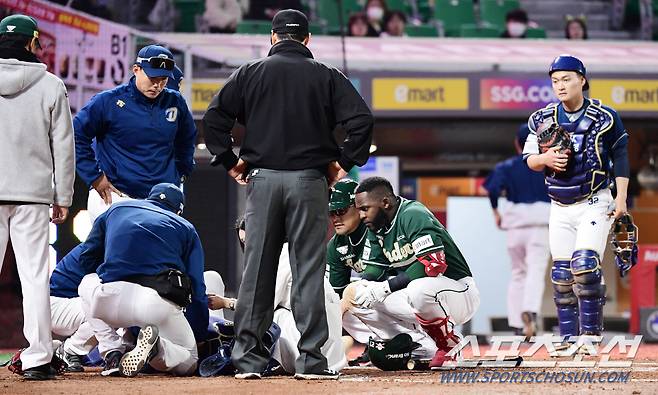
<point x="174" y="83"/>
<point x="169" y="195"/>
<point x="569" y="63"/>
<point x="156" y="60"/>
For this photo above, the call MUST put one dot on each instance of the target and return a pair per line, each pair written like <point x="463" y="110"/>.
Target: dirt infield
<point x="643" y="379"/>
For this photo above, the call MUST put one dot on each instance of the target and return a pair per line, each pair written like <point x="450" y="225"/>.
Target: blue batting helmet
<point x="569" y="63"/>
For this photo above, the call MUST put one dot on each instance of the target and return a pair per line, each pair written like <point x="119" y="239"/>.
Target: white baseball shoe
<point x="147" y="347"/>
<point x="326" y="374"/>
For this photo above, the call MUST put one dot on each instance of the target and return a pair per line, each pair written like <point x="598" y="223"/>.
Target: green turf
<point x="4" y="357"/>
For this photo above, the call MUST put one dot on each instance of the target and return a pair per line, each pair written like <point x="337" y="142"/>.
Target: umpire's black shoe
<point x="326" y="374"/>
<point x="41" y="372"/>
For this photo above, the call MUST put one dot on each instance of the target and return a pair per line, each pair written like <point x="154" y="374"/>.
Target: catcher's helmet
<point x="342" y="194"/>
<point x="569" y="63"/>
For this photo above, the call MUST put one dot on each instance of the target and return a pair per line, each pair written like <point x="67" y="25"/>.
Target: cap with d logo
<point x="156" y="61"/>
<point x="20" y="24"/>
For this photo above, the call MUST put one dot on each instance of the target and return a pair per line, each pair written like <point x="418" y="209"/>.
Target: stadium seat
<point x="254" y="27"/>
<point x="474" y="31"/>
<point x="493" y="12"/>
<point x="454" y="13"/>
<point x="188" y="11"/>
<point x="328" y="13"/>
<point x="535" y="32"/>
<point x="315" y="28"/>
<point x="421" y="31"/>
<point x="425" y="9"/>
<point x="399" y="5"/>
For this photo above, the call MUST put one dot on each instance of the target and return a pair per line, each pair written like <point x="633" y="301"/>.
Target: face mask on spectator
<point x="516" y="29"/>
<point x="375" y="13"/>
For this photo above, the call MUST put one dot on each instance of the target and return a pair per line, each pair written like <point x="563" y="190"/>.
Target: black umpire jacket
<point x="290" y="104"/>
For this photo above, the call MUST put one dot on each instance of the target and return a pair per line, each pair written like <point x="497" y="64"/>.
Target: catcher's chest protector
<point x="587" y="171"/>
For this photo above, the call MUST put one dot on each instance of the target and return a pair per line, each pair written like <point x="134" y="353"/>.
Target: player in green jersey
<point x="350" y="250"/>
<point x="431" y="275"/>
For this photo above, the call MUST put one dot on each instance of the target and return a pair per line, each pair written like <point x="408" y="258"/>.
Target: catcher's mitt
<point x="550" y="135"/>
<point x="15" y="365"/>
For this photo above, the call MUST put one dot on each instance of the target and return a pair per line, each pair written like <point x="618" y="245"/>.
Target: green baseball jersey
<point x="353" y="252"/>
<point x="413" y="233"/>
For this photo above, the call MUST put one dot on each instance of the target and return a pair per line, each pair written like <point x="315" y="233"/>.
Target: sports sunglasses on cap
<point x="339" y="212"/>
<point x="158" y="62"/>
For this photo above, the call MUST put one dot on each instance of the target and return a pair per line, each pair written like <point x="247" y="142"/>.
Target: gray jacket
<point x="37" y="162"/>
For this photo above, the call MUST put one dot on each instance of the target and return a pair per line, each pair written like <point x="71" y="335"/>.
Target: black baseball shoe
<point x="326" y="374"/>
<point x="73" y="361"/>
<point x="41" y="372"/>
<point x="112" y="362"/>
<point x="146" y="348"/>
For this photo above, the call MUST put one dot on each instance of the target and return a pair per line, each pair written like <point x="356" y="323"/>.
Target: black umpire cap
<point x="291" y="22"/>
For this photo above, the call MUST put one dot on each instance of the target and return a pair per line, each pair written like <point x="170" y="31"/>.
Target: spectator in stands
<point x="163" y="16"/>
<point x="375" y="10"/>
<point x="266" y="9"/>
<point x="222" y="16"/>
<point x="394" y="23"/>
<point x="575" y="29"/>
<point x="516" y="23"/>
<point x="358" y="26"/>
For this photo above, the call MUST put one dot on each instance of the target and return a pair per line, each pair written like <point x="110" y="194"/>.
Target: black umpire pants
<point x="280" y="204"/>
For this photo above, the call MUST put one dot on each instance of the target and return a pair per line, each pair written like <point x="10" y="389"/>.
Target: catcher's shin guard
<point x="587" y="274"/>
<point x="565" y="299"/>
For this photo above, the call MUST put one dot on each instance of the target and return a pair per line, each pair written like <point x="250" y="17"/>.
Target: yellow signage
<point x="631" y="95"/>
<point x="420" y="94"/>
<point x="202" y="93"/>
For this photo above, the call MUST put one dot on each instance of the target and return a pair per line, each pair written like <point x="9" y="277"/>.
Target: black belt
<point x="171" y="284"/>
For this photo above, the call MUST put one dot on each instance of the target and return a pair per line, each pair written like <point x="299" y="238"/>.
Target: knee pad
<point x="562" y="280"/>
<point x="586" y="267"/>
<point x="590" y="290"/>
<point x="565" y="299"/>
<point x="587" y="274"/>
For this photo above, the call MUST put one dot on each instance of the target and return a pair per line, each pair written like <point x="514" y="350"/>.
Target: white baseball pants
<point x="27" y="225"/>
<point x="529" y="252"/>
<point x="122" y="304"/>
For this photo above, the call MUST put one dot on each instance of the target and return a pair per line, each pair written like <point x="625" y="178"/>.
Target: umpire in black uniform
<point x="290" y="105"/>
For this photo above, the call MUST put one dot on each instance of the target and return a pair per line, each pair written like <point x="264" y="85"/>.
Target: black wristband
<point x="399" y="282"/>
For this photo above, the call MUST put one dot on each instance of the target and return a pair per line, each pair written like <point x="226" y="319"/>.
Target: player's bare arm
<point x="620" y="199"/>
<point x="552" y="159"/>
